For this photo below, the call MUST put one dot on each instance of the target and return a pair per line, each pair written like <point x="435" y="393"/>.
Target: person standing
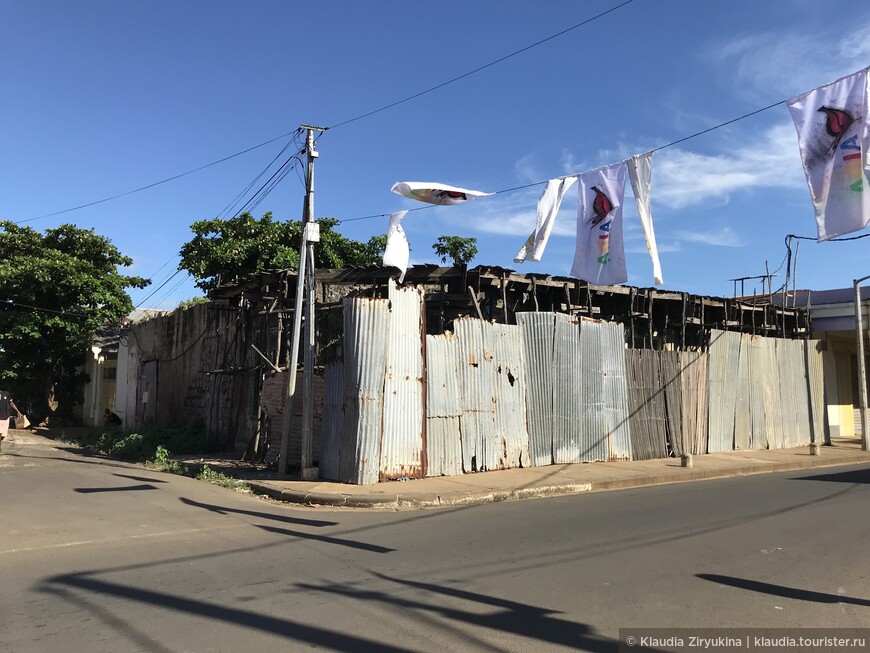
<point x="6" y="407"/>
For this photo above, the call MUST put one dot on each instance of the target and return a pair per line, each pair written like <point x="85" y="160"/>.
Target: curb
<point x="302" y="497"/>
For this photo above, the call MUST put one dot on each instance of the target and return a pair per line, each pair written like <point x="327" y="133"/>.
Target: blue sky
<point x="101" y="97"/>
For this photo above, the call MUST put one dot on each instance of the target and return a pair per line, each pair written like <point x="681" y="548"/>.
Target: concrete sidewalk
<point x="512" y="484"/>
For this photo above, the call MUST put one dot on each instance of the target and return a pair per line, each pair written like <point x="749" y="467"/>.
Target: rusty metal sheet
<point x="646" y="402"/>
<point x="722" y="365"/>
<point x="537" y="332"/>
<point x="794" y="391"/>
<point x="333" y="421"/>
<point x="815" y="370"/>
<point x="477" y="421"/>
<point x="366" y="332"/>
<point x="615" y="390"/>
<point x="443" y="443"/>
<point x="757" y="371"/>
<point x="670" y="366"/>
<point x="773" y="421"/>
<point x="742" y="414"/>
<point x="570" y="407"/>
<point x="694" y="399"/>
<point x="402" y="442"/>
<point x="509" y="394"/>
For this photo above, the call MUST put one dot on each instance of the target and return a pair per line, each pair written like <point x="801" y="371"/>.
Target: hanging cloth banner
<point x="834" y="139"/>
<point x="600" y="254"/>
<point x="548" y="207"/>
<point x="435" y="193"/>
<point x="640" y="175"/>
<point x="398" y="251"/>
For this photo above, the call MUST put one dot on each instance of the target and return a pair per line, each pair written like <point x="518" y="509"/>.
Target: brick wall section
<point x="272" y="401"/>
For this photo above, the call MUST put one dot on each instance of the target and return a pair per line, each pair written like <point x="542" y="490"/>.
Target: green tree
<point x="459" y="250"/>
<point x="222" y="251"/>
<point x="56" y="290"/>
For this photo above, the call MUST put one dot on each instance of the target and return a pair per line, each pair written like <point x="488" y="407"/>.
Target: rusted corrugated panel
<point x="443" y="445"/>
<point x="646" y="402"/>
<point x="722" y="363"/>
<point x="742" y="414"/>
<point x="794" y="392"/>
<point x="569" y="404"/>
<point x="671" y="369"/>
<point x="509" y="394"/>
<point x="537" y="332"/>
<point x="402" y="441"/>
<point x="773" y="407"/>
<point x="615" y="390"/>
<point x="757" y="371"/>
<point x="817" y="390"/>
<point x="366" y="332"/>
<point x="333" y="421"/>
<point x="694" y="399"/>
<point x="477" y="421"/>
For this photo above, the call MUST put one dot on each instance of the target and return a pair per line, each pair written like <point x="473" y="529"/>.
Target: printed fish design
<point x="601" y="206"/>
<point x="452" y="194"/>
<point x="837" y="123"/>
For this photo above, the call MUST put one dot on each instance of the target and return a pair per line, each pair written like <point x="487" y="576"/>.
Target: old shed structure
<point x="460" y="370"/>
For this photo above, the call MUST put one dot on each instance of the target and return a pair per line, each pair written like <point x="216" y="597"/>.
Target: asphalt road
<point x="97" y="555"/>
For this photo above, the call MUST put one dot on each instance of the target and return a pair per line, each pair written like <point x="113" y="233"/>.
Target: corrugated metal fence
<point x="550" y="389"/>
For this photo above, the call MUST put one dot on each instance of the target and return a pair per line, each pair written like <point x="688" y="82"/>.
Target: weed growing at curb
<point x="219" y="478"/>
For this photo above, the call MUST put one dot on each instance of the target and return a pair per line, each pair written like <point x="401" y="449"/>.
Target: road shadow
<point x="281" y="627"/>
<point x="504" y="616"/>
<point x="353" y="544"/>
<point x="783" y="591"/>
<point x="851" y="476"/>
<point x="487" y="612"/>
<point x="223" y="510"/>
<point x="125" y="488"/>
<point x="145" y="479"/>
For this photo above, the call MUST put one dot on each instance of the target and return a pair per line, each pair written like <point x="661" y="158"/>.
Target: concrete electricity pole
<point x="304" y="284"/>
<point x="862" y="373"/>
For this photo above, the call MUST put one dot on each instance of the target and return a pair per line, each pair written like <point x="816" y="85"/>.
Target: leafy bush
<point x="145" y="443"/>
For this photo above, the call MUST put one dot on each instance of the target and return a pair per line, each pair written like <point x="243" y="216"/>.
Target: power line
<point x="237" y="198"/>
<point x="156" y="183"/>
<point x="157" y="289"/>
<point x="46" y="310"/>
<point x="483" y="67"/>
<point x="660" y="147"/>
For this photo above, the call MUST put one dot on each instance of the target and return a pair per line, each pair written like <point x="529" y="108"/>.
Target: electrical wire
<point x="229" y="207"/>
<point x="661" y="147"/>
<point x="156" y="183"/>
<point x="480" y="68"/>
<point x="157" y="289"/>
<point x="45" y="310"/>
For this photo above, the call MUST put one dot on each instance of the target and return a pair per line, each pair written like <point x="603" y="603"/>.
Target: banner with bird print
<point x="600" y="254"/>
<point x="834" y="139"/>
<point x="435" y="193"/>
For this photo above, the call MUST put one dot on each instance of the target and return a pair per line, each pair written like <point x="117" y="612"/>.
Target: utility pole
<point x="304" y="284"/>
<point x="862" y="374"/>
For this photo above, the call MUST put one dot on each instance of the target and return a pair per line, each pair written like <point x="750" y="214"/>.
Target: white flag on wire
<point x="640" y="175"/>
<point x="834" y="139"/>
<point x="600" y="253"/>
<point x="548" y="207"/>
<point x="398" y="251"/>
<point x="435" y="193"/>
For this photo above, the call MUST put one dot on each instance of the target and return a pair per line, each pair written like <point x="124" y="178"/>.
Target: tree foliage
<point x="223" y="251"/>
<point x="56" y="290"/>
<point x="455" y="248"/>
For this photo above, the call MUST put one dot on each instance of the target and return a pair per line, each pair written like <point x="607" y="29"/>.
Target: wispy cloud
<point x="724" y="237"/>
<point x="789" y="63"/>
<point x="682" y="178"/>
